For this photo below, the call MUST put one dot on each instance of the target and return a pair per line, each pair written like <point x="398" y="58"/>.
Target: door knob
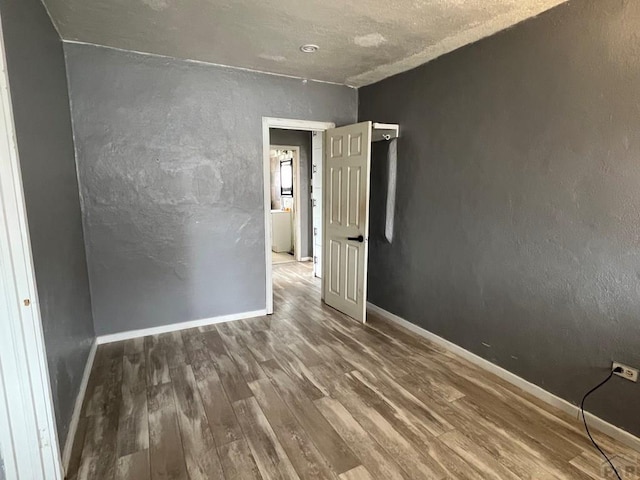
<point x="359" y="238"/>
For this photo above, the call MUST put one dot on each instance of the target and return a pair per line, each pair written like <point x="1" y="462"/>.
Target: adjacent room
<point x="284" y="209"/>
<point x="319" y="240"/>
<point x="296" y="214"/>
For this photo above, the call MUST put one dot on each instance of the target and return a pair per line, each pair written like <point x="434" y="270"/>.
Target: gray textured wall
<point x="518" y="212"/>
<point x="297" y="138"/>
<point x="170" y="163"/>
<point x="38" y="85"/>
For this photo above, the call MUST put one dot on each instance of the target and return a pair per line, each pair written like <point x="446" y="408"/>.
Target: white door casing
<point x="346" y="226"/>
<point x="287" y="124"/>
<point x="317" y="140"/>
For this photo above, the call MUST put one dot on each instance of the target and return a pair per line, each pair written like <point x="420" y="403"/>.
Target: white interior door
<point x="346" y="192"/>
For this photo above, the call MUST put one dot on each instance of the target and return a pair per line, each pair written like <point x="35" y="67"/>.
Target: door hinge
<point x="315" y="231"/>
<point x="315" y="259"/>
<point x="44" y="438"/>
<point x="313" y="202"/>
<point x="315" y="168"/>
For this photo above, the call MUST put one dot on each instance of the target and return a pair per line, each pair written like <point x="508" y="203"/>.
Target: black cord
<point x="617" y="369"/>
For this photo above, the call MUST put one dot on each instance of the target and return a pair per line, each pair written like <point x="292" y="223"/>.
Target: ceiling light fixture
<point x="309" y="48"/>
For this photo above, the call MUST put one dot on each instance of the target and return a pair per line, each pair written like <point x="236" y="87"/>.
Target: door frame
<point x="297" y="226"/>
<point x="284" y="124"/>
<point x="317" y="202"/>
<point x="28" y="435"/>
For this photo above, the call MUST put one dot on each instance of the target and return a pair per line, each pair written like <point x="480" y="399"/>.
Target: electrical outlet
<point x="627" y="372"/>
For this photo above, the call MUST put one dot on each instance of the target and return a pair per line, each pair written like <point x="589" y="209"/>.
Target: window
<point x="286" y="178"/>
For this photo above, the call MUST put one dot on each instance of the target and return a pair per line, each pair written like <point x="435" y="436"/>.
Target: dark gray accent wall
<point x="171" y="173"/>
<point x="297" y="138"/>
<point x="518" y="207"/>
<point x="38" y="84"/>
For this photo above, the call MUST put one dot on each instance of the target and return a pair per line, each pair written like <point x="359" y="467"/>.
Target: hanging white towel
<point x="392" y="176"/>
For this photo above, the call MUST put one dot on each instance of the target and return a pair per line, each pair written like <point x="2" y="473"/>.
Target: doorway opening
<point x="293" y="156"/>
<point x="342" y="232"/>
<point x="287" y="208"/>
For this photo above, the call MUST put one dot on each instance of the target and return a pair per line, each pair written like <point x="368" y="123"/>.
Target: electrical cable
<point x="616" y="370"/>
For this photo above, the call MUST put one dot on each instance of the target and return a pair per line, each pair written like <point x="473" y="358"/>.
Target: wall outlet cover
<point x="627" y="372"/>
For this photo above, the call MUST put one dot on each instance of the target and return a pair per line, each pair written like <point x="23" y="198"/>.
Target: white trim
<point x="294" y="124"/>
<point x="317" y="162"/>
<point x="77" y="408"/>
<point x="538" y="392"/>
<point x="28" y="439"/>
<point x="305" y="259"/>
<point x="173" y="327"/>
<point x="285" y="124"/>
<point x="202" y="62"/>
<point x="6" y="447"/>
<point x="297" y="218"/>
<point x="297" y="226"/>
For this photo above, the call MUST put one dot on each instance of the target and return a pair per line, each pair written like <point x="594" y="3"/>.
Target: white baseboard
<point x="77" y="407"/>
<point x="540" y="393"/>
<point x="117" y="337"/>
<point x="305" y="259"/>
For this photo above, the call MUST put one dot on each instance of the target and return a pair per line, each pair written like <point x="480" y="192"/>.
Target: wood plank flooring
<point x="307" y="393"/>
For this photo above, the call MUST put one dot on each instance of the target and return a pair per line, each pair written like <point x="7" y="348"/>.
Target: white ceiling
<point x="360" y="42"/>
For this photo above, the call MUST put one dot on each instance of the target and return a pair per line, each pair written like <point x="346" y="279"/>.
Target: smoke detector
<point x="309" y="48"/>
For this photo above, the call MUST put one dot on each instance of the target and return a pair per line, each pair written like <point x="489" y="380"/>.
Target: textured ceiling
<point x="360" y="42"/>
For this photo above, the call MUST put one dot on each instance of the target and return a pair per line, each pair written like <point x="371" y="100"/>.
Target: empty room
<point x="319" y="240"/>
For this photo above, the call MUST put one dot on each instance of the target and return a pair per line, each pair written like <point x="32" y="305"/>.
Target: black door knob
<point x="359" y="238"/>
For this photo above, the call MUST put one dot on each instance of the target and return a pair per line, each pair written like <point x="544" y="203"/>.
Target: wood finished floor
<point x="308" y="393"/>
